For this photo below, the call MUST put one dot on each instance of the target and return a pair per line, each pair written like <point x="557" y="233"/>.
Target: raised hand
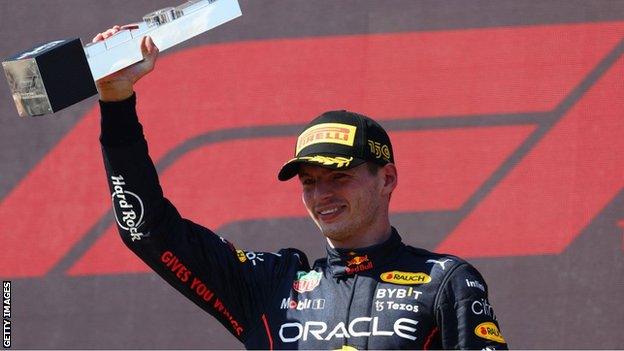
<point x="120" y="85"/>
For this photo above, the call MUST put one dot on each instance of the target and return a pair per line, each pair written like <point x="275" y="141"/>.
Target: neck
<point x="371" y="237"/>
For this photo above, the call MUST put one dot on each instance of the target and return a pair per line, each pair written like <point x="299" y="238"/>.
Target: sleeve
<point x="464" y="314"/>
<point x="230" y="284"/>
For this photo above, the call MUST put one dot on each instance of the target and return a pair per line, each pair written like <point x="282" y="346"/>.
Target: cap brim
<point x="291" y="168"/>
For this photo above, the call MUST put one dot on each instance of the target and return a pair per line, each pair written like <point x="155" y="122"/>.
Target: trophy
<point x="55" y="75"/>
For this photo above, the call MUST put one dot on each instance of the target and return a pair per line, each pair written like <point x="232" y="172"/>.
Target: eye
<point x="340" y="176"/>
<point x="307" y="181"/>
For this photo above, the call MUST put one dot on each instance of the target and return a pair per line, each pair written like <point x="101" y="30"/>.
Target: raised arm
<point x="200" y="264"/>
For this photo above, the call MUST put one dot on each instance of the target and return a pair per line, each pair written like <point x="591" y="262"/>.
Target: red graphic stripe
<point x="437" y="170"/>
<point x="561" y="185"/>
<point x="430" y="338"/>
<point x="289" y="81"/>
<point x="268" y="331"/>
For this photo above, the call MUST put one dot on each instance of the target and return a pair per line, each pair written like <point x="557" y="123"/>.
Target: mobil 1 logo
<point x="127" y="207"/>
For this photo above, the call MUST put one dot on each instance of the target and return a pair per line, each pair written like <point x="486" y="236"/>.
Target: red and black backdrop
<point x="507" y="119"/>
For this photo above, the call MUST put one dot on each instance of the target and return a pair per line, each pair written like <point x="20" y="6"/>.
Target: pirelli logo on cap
<point x="335" y="133"/>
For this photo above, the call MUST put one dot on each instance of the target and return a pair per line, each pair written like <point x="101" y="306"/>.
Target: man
<point x="371" y="291"/>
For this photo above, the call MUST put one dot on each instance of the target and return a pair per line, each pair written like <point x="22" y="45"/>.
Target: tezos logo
<point x="405" y="278"/>
<point x="489" y="331"/>
<point x="307" y="281"/>
<point x="391" y="305"/>
<point x="128" y="208"/>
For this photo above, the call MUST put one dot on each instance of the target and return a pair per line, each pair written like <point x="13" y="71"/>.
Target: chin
<point x="335" y="232"/>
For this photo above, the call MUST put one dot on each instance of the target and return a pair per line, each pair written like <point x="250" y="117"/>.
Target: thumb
<point x="150" y="53"/>
<point x="148" y="48"/>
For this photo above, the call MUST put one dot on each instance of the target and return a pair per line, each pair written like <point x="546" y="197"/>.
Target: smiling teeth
<point x="329" y="211"/>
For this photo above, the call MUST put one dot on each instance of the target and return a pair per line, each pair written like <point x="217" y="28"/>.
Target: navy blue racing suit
<point x="388" y="296"/>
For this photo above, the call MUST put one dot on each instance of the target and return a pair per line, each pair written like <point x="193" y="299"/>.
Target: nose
<point x="323" y="190"/>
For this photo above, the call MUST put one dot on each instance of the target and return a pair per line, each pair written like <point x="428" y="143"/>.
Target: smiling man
<point x="370" y="291"/>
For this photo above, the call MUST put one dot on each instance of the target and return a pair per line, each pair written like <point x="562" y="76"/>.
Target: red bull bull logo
<point x="357" y="260"/>
<point x="358" y="264"/>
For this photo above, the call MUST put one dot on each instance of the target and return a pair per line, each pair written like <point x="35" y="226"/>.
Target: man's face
<point x="344" y="203"/>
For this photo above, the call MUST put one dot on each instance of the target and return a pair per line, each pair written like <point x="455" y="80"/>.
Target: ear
<point x="389" y="176"/>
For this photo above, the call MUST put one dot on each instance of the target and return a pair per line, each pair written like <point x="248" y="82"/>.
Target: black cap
<point x="339" y="140"/>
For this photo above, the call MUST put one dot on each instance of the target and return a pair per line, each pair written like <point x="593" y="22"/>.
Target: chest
<point x="363" y="312"/>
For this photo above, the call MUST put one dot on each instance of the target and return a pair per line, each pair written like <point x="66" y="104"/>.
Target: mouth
<point x="329" y="213"/>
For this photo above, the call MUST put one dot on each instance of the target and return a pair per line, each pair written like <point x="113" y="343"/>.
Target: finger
<point x="151" y="46"/>
<point x="145" y="50"/>
<point x="107" y="33"/>
<point x="97" y="38"/>
<point x="130" y="26"/>
<point x="110" y="32"/>
<point x="151" y="49"/>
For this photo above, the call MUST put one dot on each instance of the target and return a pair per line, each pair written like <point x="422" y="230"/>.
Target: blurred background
<point x="506" y="118"/>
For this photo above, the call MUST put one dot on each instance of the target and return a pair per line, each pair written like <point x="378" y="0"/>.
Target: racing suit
<point x="387" y="296"/>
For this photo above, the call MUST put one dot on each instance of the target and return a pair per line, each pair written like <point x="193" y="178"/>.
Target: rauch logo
<point x="405" y="278"/>
<point x="489" y="331"/>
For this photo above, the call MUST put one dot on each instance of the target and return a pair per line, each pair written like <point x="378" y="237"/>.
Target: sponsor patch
<point x="475" y="284"/>
<point x="396" y="306"/>
<point x="241" y="256"/>
<point x="307" y="281"/>
<point x="253" y="257"/>
<point x="489" y="331"/>
<point x="303" y="304"/>
<point x="482" y="306"/>
<point x="441" y="263"/>
<point x="358" y="264"/>
<point x="405" y="278"/>
<point x="335" y="133"/>
<point x="127" y="207"/>
<point x="356" y="328"/>
<point x="379" y="150"/>
<point x="397" y="293"/>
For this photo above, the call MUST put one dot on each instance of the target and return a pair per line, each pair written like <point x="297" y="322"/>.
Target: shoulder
<point x="448" y="269"/>
<point x="440" y="263"/>
<point x="297" y="256"/>
<point x="279" y="263"/>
